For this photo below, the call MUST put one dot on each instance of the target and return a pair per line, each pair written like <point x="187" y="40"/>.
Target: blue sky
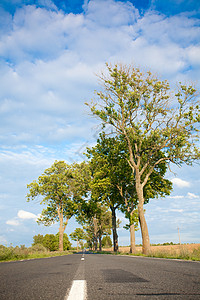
<point x="50" y="52"/>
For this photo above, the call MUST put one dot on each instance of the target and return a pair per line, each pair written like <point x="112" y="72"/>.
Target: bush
<point x="196" y="254"/>
<point x="38" y="248"/>
<point x="20" y="252"/>
<point x="11" y="253"/>
<point x="6" y="253"/>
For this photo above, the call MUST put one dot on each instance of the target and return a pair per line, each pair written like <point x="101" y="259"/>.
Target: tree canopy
<point x="55" y="188"/>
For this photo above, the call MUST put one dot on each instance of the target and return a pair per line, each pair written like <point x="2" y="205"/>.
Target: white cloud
<point x="22" y="214"/>
<point x="114" y="13"/>
<point x="180" y="183"/>
<point x="192" y="196"/>
<point x="176" y="197"/>
<point x="13" y="222"/>
<point x="176" y="210"/>
<point x="55" y="55"/>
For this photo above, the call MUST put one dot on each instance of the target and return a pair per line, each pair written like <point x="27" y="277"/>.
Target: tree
<point x="102" y="187"/>
<point x="38" y="239"/>
<point x="55" y="188"/>
<point x="96" y="220"/>
<point x="66" y="242"/>
<point x="159" y="126"/>
<point x="78" y="235"/>
<point x="104" y="223"/>
<point x="50" y="242"/>
<point x="114" y="176"/>
<point x="106" y="242"/>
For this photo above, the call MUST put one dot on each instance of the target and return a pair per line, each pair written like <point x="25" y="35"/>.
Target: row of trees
<point x="51" y="241"/>
<point x="65" y="190"/>
<point x="152" y="127"/>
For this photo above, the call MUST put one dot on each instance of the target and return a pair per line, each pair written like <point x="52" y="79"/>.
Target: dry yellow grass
<point x="170" y="249"/>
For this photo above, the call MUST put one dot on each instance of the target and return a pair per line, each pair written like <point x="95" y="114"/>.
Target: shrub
<point x="20" y="252"/>
<point x="37" y="248"/>
<point x="6" y="253"/>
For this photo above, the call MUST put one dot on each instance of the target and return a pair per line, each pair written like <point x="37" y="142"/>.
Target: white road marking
<point x="82" y="258"/>
<point x="78" y="291"/>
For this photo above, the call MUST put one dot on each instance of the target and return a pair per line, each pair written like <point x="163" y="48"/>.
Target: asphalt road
<point x="106" y="277"/>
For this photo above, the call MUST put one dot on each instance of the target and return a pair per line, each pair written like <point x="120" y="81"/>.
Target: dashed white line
<point x="78" y="291"/>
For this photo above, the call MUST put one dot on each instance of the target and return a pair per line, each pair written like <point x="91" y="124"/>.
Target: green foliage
<point x="109" y="168"/>
<point x="56" y="187"/>
<point x="159" y="127"/>
<point x="106" y="241"/>
<point x="38" y="239"/>
<point x="37" y="248"/>
<point x="13" y="253"/>
<point x="96" y="220"/>
<point x="150" y="116"/>
<point x="77" y="235"/>
<point x="18" y="253"/>
<point x="6" y="253"/>
<point x="50" y="242"/>
<point x="66" y="242"/>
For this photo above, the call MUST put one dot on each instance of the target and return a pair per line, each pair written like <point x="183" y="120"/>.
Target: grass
<point x="39" y="251"/>
<point x="20" y="253"/>
<point x="182" y="253"/>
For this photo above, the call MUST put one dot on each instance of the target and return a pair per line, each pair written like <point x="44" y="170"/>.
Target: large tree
<point x="112" y="176"/>
<point x="54" y="187"/>
<point x="160" y="126"/>
<point x="104" y="187"/>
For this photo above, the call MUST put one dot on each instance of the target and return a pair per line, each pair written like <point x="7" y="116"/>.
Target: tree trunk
<point x="114" y="229"/>
<point x="143" y="224"/>
<point x="144" y="231"/>
<point x="61" y="230"/>
<point x="77" y="246"/>
<point x="95" y="233"/>
<point x="132" y="238"/>
<point x="100" y="242"/>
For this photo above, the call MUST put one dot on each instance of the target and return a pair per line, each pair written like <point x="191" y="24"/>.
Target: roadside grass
<point x="182" y="253"/>
<point x="38" y="251"/>
<point x="20" y="253"/>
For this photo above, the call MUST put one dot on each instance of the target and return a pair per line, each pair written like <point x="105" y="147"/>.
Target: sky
<point x="50" y="53"/>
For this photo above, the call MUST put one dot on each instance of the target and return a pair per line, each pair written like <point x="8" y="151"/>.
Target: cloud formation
<point x="49" y="58"/>
<point x="13" y="222"/>
<point x="25" y="215"/>
<point x="192" y="196"/>
<point x="180" y="183"/>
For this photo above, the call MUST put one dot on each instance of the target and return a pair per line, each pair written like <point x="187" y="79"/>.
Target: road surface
<point x="95" y="277"/>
